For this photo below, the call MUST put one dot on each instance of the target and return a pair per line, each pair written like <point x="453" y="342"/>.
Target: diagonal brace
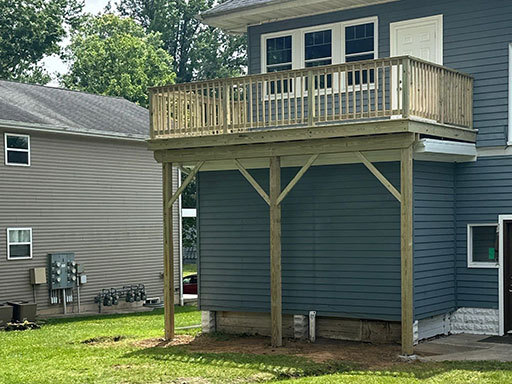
<point x="297" y="177"/>
<point x="390" y="187"/>
<point x="185" y="184"/>
<point x="252" y="181"/>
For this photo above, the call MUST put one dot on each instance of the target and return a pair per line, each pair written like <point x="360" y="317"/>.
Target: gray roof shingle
<point x="71" y="110"/>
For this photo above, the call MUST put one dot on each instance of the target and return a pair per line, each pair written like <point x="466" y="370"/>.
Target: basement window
<point x="19" y="243"/>
<point x="482" y="245"/>
<point x="17" y="149"/>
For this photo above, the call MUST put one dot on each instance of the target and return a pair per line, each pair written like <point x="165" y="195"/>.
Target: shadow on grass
<point x="154" y="312"/>
<point x="281" y="366"/>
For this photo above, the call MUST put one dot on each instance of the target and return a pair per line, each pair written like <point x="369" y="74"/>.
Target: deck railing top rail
<point x="372" y="89"/>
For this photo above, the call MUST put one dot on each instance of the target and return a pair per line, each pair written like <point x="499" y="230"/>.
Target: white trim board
<point x="501" y="287"/>
<point x="437" y="20"/>
<point x="509" y="94"/>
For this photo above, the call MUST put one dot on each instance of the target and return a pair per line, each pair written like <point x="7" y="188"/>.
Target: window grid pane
<point x="17" y="142"/>
<point x="19" y="236"/>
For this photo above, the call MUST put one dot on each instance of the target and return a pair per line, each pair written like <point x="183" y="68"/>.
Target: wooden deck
<point x="342" y="95"/>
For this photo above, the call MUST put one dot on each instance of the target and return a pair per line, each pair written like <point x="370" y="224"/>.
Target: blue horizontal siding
<point x="340" y="243"/>
<point x="434" y="238"/>
<point x="476" y="38"/>
<point x="484" y="191"/>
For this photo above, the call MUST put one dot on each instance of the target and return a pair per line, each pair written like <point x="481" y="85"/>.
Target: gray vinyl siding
<point x="98" y="198"/>
<point x="434" y="238"/>
<point x="476" y="38"/>
<point x="340" y="243"/>
<point x="484" y="191"/>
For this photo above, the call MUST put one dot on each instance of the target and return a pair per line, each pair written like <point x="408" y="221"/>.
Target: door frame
<point x="437" y="19"/>
<point x="501" y="271"/>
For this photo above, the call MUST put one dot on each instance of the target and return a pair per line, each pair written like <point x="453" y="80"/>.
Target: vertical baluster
<point x="346" y="92"/>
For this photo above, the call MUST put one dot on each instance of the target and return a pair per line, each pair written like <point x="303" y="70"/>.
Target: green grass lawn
<point x="189" y="269"/>
<point x="108" y="349"/>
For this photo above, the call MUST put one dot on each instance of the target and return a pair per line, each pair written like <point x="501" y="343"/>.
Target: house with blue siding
<point x="356" y="184"/>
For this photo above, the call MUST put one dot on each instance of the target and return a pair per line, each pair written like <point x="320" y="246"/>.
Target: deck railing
<point x="373" y="89"/>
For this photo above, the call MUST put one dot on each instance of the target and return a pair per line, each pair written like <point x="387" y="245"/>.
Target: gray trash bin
<point x="5" y="314"/>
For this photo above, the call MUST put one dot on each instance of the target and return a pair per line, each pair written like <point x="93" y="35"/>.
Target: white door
<point x="421" y="38"/>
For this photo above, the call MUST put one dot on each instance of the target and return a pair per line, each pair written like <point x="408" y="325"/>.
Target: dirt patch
<point x="159" y="342"/>
<point x="366" y="355"/>
<point x="103" y="340"/>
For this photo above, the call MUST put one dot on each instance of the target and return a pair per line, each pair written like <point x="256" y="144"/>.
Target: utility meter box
<point x="38" y="276"/>
<point x="61" y="270"/>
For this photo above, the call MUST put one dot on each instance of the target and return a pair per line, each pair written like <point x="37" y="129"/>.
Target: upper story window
<point x="343" y="42"/>
<point x="279" y="54"/>
<point x="318" y="48"/>
<point x="17" y="149"/>
<point x="482" y="245"/>
<point x="19" y="243"/>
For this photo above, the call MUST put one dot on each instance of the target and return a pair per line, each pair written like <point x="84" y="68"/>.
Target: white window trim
<point x="338" y="50"/>
<point x="9" y="244"/>
<point x="478" y="264"/>
<point x="338" y="34"/>
<point x="16" y="149"/>
<point x="509" y="140"/>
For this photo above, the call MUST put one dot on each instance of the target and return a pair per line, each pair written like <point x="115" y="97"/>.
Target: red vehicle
<point x="190" y="285"/>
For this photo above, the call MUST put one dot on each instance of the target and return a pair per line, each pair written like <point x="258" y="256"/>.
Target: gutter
<point x="9" y="124"/>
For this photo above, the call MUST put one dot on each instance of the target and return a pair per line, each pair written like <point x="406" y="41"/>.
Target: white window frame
<point x="6" y="150"/>
<point x="338" y="45"/>
<point x="25" y="243"/>
<point x="478" y="264"/>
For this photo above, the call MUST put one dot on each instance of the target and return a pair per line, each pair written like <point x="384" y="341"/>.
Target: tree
<point x="30" y="30"/>
<point x="111" y="55"/>
<point x="199" y="51"/>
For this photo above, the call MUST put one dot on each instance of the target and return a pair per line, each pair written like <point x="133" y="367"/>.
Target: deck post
<point x="168" y="252"/>
<point x="275" y="253"/>
<point x="406" y="228"/>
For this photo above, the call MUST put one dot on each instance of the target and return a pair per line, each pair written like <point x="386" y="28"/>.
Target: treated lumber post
<point x="406" y="228"/>
<point x="275" y="253"/>
<point x="168" y="253"/>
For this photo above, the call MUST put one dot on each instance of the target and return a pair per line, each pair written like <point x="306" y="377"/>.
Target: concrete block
<point x="208" y="321"/>
<point x="300" y="327"/>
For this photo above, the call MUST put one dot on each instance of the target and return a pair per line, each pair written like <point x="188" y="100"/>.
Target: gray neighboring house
<point x="76" y="176"/>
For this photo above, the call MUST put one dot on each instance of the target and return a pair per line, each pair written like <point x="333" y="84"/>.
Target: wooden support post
<point x="185" y="184"/>
<point x="168" y="253"/>
<point x="406" y="228"/>
<point x="275" y="253"/>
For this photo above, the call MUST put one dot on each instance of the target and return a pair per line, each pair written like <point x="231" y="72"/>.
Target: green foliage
<point x="114" y="56"/>
<point x="199" y="52"/>
<point x="30" y="30"/>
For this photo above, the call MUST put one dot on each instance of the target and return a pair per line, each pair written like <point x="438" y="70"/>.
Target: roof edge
<point x="10" y="124"/>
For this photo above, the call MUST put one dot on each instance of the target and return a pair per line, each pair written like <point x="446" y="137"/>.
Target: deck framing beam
<point x="296" y="179"/>
<point x="168" y="252"/>
<point x="185" y="183"/>
<point x="252" y="181"/>
<point x="385" y="182"/>
<point x="406" y="249"/>
<point x="291" y="148"/>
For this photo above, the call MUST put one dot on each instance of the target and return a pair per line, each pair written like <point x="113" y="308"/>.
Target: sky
<point x="54" y="63"/>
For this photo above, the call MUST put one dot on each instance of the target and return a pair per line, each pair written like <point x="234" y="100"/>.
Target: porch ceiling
<point x="236" y="15"/>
